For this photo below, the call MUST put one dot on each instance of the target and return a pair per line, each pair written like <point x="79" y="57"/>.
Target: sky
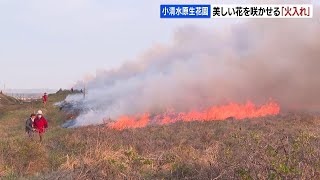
<point x="55" y="43"/>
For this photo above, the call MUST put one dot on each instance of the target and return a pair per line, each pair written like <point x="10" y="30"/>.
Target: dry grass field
<point x="286" y="146"/>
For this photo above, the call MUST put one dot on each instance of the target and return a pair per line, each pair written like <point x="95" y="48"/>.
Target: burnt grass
<point x="286" y="146"/>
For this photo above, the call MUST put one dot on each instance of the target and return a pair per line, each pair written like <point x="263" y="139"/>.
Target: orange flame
<point x="237" y="111"/>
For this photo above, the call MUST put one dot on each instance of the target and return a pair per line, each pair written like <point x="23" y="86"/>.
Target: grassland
<point x="286" y="146"/>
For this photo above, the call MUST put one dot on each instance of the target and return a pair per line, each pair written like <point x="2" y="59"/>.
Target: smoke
<point x="255" y="60"/>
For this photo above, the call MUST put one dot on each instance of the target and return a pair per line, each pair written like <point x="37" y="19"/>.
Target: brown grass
<point x="282" y="147"/>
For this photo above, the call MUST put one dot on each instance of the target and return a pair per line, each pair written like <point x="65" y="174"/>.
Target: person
<point x="29" y="125"/>
<point x="72" y="89"/>
<point x="44" y="99"/>
<point x="40" y="124"/>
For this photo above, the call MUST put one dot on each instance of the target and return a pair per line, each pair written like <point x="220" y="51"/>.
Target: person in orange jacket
<point x="45" y="99"/>
<point x="40" y="124"/>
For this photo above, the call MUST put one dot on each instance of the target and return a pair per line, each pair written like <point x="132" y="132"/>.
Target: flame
<point x="234" y="110"/>
<point x="137" y="121"/>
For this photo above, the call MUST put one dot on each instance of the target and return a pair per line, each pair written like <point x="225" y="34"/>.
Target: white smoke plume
<point x="255" y="60"/>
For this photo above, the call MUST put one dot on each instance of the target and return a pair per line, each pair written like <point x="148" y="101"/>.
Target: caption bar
<point x="185" y="11"/>
<point x="237" y="11"/>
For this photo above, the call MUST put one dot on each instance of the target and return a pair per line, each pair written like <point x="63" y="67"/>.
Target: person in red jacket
<point x="45" y="99"/>
<point x="40" y="124"/>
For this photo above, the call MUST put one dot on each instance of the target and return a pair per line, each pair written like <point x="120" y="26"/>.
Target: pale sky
<point x="54" y="43"/>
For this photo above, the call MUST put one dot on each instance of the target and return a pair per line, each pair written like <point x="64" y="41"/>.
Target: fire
<point x="237" y="111"/>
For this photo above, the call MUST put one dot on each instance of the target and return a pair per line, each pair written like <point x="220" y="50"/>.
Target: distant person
<point x="40" y="124"/>
<point x="29" y="125"/>
<point x="45" y="99"/>
<point x="71" y="89"/>
<point x="1" y="92"/>
<point x="81" y="91"/>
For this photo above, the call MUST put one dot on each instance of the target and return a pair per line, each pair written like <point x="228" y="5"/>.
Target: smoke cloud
<point x="255" y="60"/>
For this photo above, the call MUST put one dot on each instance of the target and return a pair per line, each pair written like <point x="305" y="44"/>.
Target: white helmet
<point x="39" y="112"/>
